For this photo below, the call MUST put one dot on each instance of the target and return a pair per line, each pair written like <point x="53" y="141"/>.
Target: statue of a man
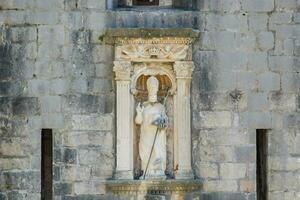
<point x="153" y="120"/>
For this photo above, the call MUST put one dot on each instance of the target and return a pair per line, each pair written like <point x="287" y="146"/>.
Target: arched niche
<point x="174" y="69"/>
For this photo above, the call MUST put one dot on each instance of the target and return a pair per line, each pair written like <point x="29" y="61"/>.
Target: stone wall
<point x="55" y="73"/>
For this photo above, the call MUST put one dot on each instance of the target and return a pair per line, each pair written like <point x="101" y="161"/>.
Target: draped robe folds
<point x="157" y="164"/>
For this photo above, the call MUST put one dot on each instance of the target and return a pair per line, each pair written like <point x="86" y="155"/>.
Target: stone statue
<point x="153" y="120"/>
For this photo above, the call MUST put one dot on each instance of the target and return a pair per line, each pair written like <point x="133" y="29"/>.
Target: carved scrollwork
<point x="153" y="51"/>
<point x="184" y="69"/>
<point x="122" y="70"/>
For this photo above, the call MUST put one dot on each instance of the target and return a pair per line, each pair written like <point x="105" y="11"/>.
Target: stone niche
<point x="165" y="54"/>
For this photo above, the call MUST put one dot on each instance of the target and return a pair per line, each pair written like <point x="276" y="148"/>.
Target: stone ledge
<point x="153" y="186"/>
<point x="112" y="34"/>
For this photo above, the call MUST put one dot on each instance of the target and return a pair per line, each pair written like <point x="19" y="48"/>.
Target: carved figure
<point x="152" y="117"/>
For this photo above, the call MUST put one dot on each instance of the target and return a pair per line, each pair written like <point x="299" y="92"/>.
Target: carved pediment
<point x="167" y="49"/>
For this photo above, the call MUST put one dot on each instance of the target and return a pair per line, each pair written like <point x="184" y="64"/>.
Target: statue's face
<point x="152" y="87"/>
<point x="153" y="97"/>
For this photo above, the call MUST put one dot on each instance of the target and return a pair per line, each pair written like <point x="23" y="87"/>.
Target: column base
<point x="184" y="175"/>
<point x="124" y="175"/>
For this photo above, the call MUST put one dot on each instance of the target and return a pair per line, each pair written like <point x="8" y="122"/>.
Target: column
<point x="183" y="156"/>
<point x="124" y="169"/>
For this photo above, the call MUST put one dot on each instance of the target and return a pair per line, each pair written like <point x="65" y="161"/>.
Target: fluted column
<point x="183" y="157"/>
<point x="124" y="169"/>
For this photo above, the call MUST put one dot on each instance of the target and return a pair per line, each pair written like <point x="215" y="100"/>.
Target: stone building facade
<point x="56" y="73"/>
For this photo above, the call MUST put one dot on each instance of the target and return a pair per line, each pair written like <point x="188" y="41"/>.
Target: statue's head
<point x="152" y="87"/>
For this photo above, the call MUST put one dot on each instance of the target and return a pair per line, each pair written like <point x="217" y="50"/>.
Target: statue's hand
<point x="139" y="108"/>
<point x="160" y="122"/>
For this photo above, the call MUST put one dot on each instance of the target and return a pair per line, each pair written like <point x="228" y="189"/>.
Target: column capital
<point x="184" y="69"/>
<point x="122" y="70"/>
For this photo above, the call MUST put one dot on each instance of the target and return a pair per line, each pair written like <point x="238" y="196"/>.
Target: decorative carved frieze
<point x="153" y="51"/>
<point x="156" y="40"/>
<point x="154" y="187"/>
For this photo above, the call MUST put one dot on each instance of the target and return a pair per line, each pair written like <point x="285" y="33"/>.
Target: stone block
<point x="225" y="81"/>
<point x="283" y="163"/>
<point x="226" y="22"/>
<point x="25" y="106"/>
<point x="246" y="81"/>
<point x="258" y="5"/>
<point x="222" y="40"/>
<point x="13" y="163"/>
<point x="22" y="34"/>
<point x="88" y="104"/>
<point x="226" y="63"/>
<point x="51" y="104"/>
<point x="233" y="170"/>
<point x="258" y="22"/>
<point x="207" y="170"/>
<point x="286" y="4"/>
<point x="53" y="121"/>
<point x="14" y="147"/>
<point x="79" y="86"/>
<point x="245" y="154"/>
<point x="247" y="186"/>
<point x="94" y="4"/>
<point x="246" y="42"/>
<point x="257" y="120"/>
<point x="258" y="102"/>
<point x="100" y="86"/>
<point x="96" y="156"/>
<point x="290" y="82"/>
<point x="88" y="138"/>
<point x="212" y="119"/>
<point x="62" y="188"/>
<point x="42" y="17"/>
<point x="280" y="18"/>
<point x="283" y="64"/>
<point x="220" y="186"/>
<point x="291" y="120"/>
<point x="285" y="47"/>
<point x="11" y="88"/>
<point x="269" y="81"/>
<point x="56" y="173"/>
<point x="91" y="188"/>
<point x="104" y="70"/>
<point x="258" y="61"/>
<point x="28" y="180"/>
<point x="53" y="5"/>
<point x="282" y="102"/>
<point x="38" y="87"/>
<point x="59" y="86"/>
<point x="265" y="41"/>
<point x="92" y="122"/>
<point x="230" y="6"/>
<point x="70" y="156"/>
<point x="75" y="173"/>
<point x="224" y="196"/>
<point x="96" y="20"/>
<point x="52" y="34"/>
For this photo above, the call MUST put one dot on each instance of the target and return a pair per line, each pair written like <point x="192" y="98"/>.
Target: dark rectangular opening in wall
<point x="146" y="2"/>
<point x="262" y="164"/>
<point x="46" y="165"/>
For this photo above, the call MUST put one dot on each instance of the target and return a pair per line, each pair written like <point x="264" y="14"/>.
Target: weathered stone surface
<point x="212" y="119"/>
<point x="92" y="122"/>
<point x="55" y="72"/>
<point x="258" y="6"/>
<point x="232" y="170"/>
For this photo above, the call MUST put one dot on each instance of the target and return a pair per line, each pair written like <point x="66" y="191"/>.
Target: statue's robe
<point x="157" y="164"/>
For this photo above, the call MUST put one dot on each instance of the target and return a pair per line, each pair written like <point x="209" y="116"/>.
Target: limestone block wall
<point x="55" y="73"/>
